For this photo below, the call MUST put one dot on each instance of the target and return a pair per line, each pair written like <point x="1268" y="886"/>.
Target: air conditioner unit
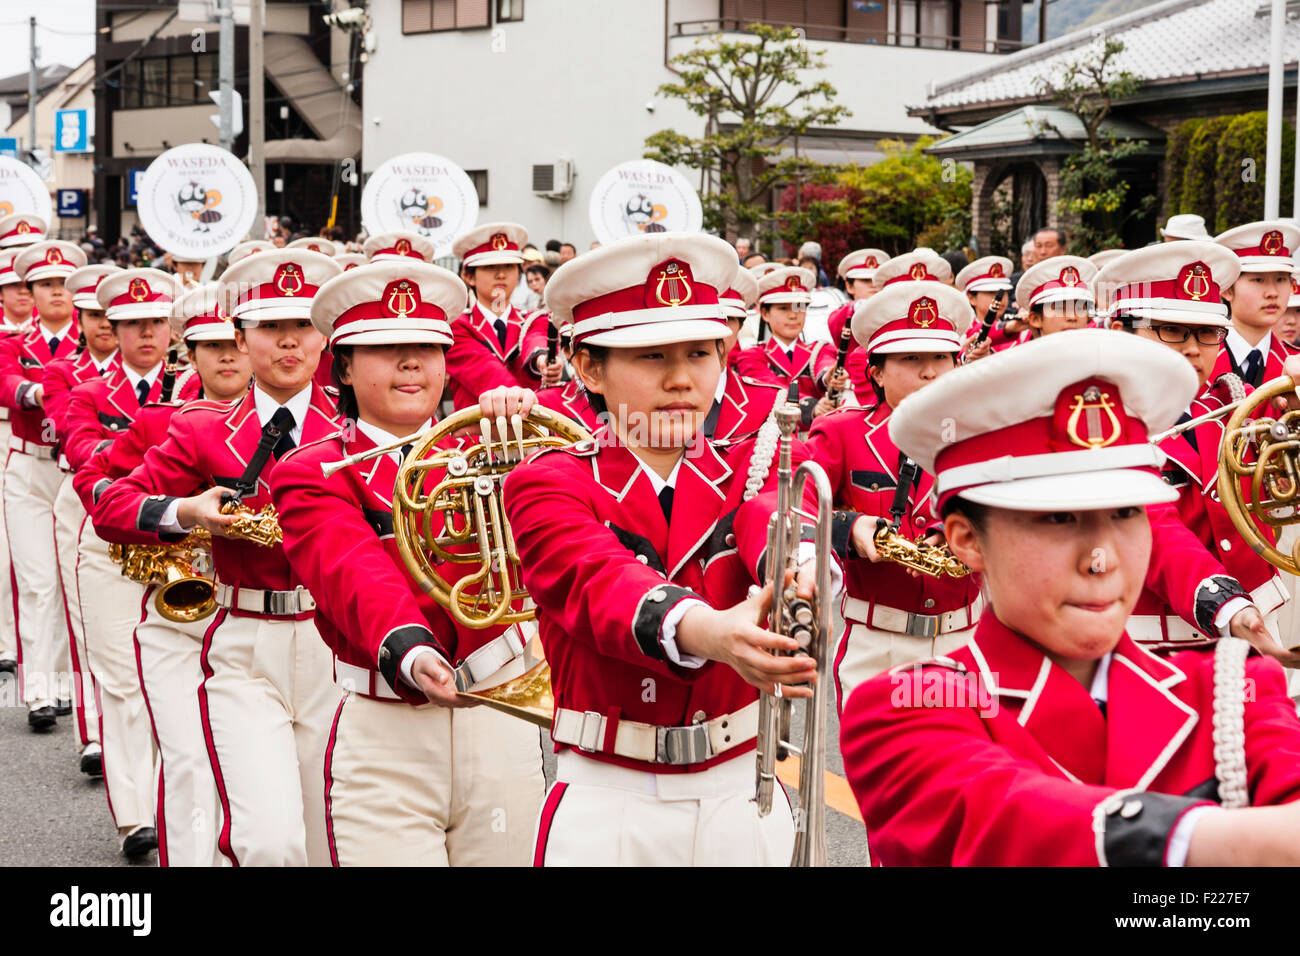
<point x="554" y="180"/>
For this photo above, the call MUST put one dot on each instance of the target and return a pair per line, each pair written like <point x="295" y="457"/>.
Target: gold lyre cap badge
<point x="288" y="279"/>
<point x="138" y="290"/>
<point x="1089" y="414"/>
<point x="1194" y="281"/>
<point x="401" y="298"/>
<point x="923" y="313"/>
<point x="669" y="284"/>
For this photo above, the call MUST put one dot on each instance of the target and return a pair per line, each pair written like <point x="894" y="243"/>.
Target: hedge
<point x="1215" y="168"/>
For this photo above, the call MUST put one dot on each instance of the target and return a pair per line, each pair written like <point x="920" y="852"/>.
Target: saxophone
<point x="932" y="559"/>
<point x="182" y="572"/>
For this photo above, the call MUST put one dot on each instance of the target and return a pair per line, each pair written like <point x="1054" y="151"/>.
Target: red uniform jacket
<point x="605" y="568"/>
<point x="1192" y="468"/>
<point x="338" y="535"/>
<point x="1000" y="757"/>
<point x="123" y="454"/>
<point x="22" y="366"/>
<point x="99" y="409"/>
<point x="862" y="462"/>
<point x="209" y="443"/>
<point x="769" y="362"/>
<point x="746" y="404"/>
<point x="570" y="400"/>
<point x="61" y="377"/>
<point x="477" y="362"/>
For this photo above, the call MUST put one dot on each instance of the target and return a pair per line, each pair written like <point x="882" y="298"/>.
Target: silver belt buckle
<point x="682" y="745"/>
<point x="280" y="602"/>
<point x="589" y="719"/>
<point x="923" y="625"/>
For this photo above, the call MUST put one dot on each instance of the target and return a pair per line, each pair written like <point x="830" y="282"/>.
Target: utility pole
<point x="1273" y="145"/>
<point x="31" y="92"/>
<point x="226" y="74"/>
<point x="257" y="111"/>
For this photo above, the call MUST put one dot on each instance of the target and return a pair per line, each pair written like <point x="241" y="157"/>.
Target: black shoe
<point x="92" y="763"/>
<point x="41" y="718"/>
<point x="8" y="667"/>
<point x="62" y="707"/>
<point x="139" y="843"/>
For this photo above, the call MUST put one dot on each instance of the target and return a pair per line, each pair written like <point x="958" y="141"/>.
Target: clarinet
<point x="990" y="316"/>
<point x="169" y="376"/>
<point x="552" y="342"/>
<point x="846" y="338"/>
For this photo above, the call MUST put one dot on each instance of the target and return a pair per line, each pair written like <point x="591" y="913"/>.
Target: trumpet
<point x="809" y="623"/>
<point x="182" y="572"/>
<point x="932" y="559"/>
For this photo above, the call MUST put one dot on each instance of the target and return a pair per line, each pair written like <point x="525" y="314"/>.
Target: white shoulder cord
<point x="183" y="377"/>
<point x="765" y="448"/>
<point x="1230" y="721"/>
<point x="1236" y="389"/>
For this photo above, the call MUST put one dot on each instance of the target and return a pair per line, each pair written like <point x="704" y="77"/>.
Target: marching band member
<point x="1170" y="293"/>
<point x="167" y="652"/>
<point x="785" y="358"/>
<point x="61" y="376"/>
<point x="315" y="244"/>
<point x="982" y="280"/>
<point x="740" y="404"/>
<point x="350" y="260"/>
<point x="16" y="303"/>
<point x="1257" y="300"/>
<point x="412" y="776"/>
<point x="399" y="245"/>
<point x="138" y="302"/>
<point x="1053" y="738"/>
<point x="32" y="478"/>
<point x="857" y="269"/>
<point x="267" y="698"/>
<point x="495" y="344"/>
<point x="638" y="549"/>
<point x="1057" y="293"/>
<point x="247" y="248"/>
<point x="909" y="333"/>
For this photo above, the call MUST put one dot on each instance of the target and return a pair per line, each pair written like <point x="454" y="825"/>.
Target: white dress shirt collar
<point x="658" y="483"/>
<point x="61" y="331"/>
<point x="108" y="360"/>
<point x="382" y="438"/>
<point x="298" y="405"/>
<point x="1101" y="680"/>
<point x="722" y="385"/>
<point x="1240" y="348"/>
<point x="135" y="378"/>
<point x="488" y="315"/>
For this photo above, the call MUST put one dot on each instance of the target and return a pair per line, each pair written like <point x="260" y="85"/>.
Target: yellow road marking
<point x="839" y="796"/>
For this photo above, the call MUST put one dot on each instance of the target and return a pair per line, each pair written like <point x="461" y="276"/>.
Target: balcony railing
<point x="843" y="34"/>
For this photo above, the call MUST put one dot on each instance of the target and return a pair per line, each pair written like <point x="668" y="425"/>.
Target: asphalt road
<point x="53" y="815"/>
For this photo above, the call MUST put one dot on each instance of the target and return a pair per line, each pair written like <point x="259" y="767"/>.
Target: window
<point x="182" y="80"/>
<point x="510" y="10"/>
<point x="479" y="178"/>
<point x="431" y="16"/>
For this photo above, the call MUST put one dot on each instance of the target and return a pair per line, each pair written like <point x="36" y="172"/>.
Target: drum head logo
<point x="641" y="197"/>
<point x="422" y="193"/>
<point x="197" y="201"/>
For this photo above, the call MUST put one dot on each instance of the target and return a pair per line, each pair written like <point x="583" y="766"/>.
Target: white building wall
<point x="572" y="81"/>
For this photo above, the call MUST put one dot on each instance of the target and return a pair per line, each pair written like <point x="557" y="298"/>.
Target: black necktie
<point x="1254" y="365"/>
<point x="666" y="502"/>
<point x="711" y="422"/>
<point x="282" y="421"/>
<point x="1101" y="705"/>
<point x="54" y="344"/>
<point x="789" y="353"/>
<point x="142" y="391"/>
<point x="500" y="326"/>
<point x="406" y="450"/>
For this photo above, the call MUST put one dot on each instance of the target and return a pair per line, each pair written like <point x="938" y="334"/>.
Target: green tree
<point x="1093" y="186"/>
<point x="755" y="96"/>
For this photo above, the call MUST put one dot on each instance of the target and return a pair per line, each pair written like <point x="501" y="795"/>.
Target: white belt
<point x="694" y="743"/>
<point x="255" y="601"/>
<point x="894" y="619"/>
<point x="4" y="414"/>
<point x="1146" y="628"/>
<point x="63" y="463"/>
<point x="490" y="658"/>
<point x="362" y="680"/>
<point x="48" y="452"/>
<point x="724" y="778"/>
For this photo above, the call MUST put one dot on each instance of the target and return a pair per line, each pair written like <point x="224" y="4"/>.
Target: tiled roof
<point x="1168" y="41"/>
<point x="1035" y="124"/>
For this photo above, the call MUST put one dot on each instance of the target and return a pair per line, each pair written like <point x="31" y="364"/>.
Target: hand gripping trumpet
<point x="810" y="625"/>
<point x="447" y="512"/>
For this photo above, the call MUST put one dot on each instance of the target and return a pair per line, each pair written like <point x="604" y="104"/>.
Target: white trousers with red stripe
<point x="69" y="516"/>
<point x="8" y="611"/>
<point x="268" y="700"/>
<point x="431" y="786"/>
<point x="189" y="816"/>
<point x="110" y="609"/>
<point x="31" y="485"/>
<point x="597" y="814"/>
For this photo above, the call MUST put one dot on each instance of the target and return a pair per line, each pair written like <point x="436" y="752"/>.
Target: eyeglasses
<point x="1178" y="334"/>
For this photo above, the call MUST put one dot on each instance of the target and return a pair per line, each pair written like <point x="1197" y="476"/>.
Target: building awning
<point x="835" y="150"/>
<point x="312" y="90"/>
<point x="1034" y="130"/>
